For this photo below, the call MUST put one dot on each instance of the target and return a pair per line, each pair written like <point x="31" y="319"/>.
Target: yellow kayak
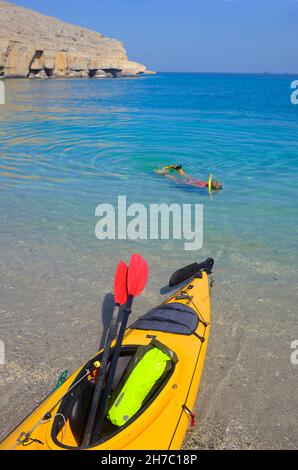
<point x="179" y="327"/>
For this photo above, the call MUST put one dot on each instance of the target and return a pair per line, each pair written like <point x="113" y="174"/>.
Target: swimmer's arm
<point x="182" y="172"/>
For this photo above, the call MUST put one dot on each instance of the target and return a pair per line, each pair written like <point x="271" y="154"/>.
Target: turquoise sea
<point x="68" y="145"/>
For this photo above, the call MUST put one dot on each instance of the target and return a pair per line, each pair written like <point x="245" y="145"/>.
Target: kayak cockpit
<point x="70" y="420"/>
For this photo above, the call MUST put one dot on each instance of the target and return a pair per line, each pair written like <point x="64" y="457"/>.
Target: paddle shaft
<point x="113" y="366"/>
<point x="100" y="380"/>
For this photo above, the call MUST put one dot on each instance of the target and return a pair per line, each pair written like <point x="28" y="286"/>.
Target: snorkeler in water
<point x="168" y="171"/>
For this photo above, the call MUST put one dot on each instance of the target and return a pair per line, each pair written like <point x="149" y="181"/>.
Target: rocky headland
<point x="33" y="45"/>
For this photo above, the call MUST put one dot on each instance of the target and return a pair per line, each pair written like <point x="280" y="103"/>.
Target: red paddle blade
<point x="120" y="284"/>
<point x="137" y="275"/>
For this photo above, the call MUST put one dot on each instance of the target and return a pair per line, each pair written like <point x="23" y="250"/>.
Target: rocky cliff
<point x="38" y="46"/>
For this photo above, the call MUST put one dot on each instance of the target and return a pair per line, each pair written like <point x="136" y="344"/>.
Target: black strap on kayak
<point x="201" y="318"/>
<point x="201" y="338"/>
<point x="27" y="442"/>
<point x="185" y="296"/>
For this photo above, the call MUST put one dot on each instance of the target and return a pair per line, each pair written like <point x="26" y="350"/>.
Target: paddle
<point x="136" y="282"/>
<point x="120" y="298"/>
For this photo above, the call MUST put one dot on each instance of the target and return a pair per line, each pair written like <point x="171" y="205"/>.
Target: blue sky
<point x="192" y="35"/>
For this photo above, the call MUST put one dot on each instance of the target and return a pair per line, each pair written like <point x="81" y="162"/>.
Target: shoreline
<point x="73" y="77"/>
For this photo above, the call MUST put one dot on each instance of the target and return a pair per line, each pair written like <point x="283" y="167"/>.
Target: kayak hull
<point x="163" y="423"/>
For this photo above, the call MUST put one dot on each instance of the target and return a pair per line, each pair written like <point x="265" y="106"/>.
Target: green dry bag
<point x="142" y="379"/>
